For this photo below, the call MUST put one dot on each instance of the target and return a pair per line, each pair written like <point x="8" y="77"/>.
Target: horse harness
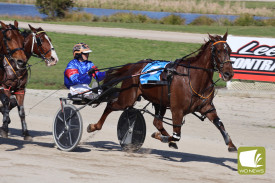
<point x="170" y="71"/>
<point x="10" y="52"/>
<point x="15" y="86"/>
<point x="36" y="38"/>
<point x="7" y="58"/>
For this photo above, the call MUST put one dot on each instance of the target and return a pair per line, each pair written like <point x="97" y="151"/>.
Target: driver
<point x="79" y="71"/>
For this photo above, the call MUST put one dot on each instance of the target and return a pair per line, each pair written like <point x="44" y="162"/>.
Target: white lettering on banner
<point x="253" y="64"/>
<point x="253" y="48"/>
<point x="253" y="58"/>
<point x="245" y="49"/>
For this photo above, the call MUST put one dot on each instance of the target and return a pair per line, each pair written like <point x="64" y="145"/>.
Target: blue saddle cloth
<point x="155" y="75"/>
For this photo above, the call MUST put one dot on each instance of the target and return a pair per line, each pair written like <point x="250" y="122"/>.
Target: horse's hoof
<point x="232" y="149"/>
<point x="156" y="135"/>
<point x="173" y="145"/>
<point x="27" y="138"/>
<point x="91" y="128"/>
<point x="3" y="133"/>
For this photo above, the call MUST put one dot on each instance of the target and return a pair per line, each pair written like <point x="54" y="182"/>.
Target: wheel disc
<point x="131" y="130"/>
<point x="67" y="128"/>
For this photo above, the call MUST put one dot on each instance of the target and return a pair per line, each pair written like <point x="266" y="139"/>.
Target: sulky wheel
<point x="131" y="130"/>
<point x="67" y="128"/>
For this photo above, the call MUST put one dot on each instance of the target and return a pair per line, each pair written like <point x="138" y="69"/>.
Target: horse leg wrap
<point x="13" y="101"/>
<point x="5" y="109"/>
<point x="217" y="122"/>
<point x="164" y="139"/>
<point x="21" y="112"/>
<point x="5" y="127"/>
<point x="175" y="137"/>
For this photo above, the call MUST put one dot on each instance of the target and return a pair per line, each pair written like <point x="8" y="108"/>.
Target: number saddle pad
<point x="154" y="76"/>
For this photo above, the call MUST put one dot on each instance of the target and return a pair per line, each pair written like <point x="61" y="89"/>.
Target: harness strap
<point x="7" y="89"/>
<point x="19" y="93"/>
<point x="40" y="32"/>
<point x="11" y="67"/>
<point x="219" y="42"/>
<point x="199" y="94"/>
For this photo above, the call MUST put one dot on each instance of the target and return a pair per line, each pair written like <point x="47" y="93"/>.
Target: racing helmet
<point x="81" y="48"/>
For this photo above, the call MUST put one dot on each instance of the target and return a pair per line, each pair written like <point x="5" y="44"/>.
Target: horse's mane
<point x="25" y="33"/>
<point x="201" y="49"/>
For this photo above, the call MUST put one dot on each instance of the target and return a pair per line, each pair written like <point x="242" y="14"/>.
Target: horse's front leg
<point x="21" y="111"/>
<point x="213" y="117"/>
<point x="4" y="130"/>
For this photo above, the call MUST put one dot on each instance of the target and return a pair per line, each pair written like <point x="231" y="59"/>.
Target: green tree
<point x="54" y="8"/>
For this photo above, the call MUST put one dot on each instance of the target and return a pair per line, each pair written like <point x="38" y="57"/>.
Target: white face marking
<point x="225" y="46"/>
<point x="53" y="52"/>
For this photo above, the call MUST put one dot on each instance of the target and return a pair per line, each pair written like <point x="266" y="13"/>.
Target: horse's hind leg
<point x="126" y="98"/>
<point x="213" y="117"/>
<point x="162" y="134"/>
<point x="21" y="112"/>
<point x="159" y="113"/>
<point x="4" y="130"/>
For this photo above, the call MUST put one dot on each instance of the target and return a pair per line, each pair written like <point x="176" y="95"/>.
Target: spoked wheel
<point x="67" y="128"/>
<point x="131" y="130"/>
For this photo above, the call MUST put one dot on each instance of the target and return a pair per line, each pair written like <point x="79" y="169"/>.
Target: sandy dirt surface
<point x="202" y="155"/>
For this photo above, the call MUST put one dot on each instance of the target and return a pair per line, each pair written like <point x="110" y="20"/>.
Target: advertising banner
<point x="253" y="58"/>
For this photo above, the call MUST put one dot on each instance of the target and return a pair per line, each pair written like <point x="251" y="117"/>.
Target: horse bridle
<point x="214" y="56"/>
<point x="37" y="40"/>
<point x="10" y="52"/>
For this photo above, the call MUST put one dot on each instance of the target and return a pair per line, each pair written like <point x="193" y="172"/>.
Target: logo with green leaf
<point x="251" y="160"/>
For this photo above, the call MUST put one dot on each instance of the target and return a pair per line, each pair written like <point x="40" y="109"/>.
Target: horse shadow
<point x="169" y="155"/>
<point x="20" y="143"/>
<point x="17" y="132"/>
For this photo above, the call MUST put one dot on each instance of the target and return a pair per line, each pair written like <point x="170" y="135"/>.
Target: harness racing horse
<point x="37" y="43"/>
<point x="11" y="47"/>
<point x="191" y="90"/>
<point x="15" y="79"/>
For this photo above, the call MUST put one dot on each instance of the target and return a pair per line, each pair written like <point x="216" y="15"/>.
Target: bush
<point x="245" y="20"/>
<point x="203" y="20"/>
<point x="80" y="17"/>
<point x="128" y="18"/>
<point x="270" y="22"/>
<point x="173" y="20"/>
<point x="54" y="8"/>
<point x="224" y="22"/>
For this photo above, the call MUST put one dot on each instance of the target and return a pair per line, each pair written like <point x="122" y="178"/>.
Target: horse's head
<point x="220" y="52"/>
<point x="12" y="43"/>
<point x="42" y="46"/>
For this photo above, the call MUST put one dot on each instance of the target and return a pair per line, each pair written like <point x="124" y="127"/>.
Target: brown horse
<point x="191" y="90"/>
<point x="11" y="44"/>
<point x="15" y="79"/>
<point x="38" y="43"/>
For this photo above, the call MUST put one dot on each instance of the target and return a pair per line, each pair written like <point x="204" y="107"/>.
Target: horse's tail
<point x="114" y="76"/>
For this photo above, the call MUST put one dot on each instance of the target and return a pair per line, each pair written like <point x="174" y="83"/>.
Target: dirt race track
<point x="202" y="155"/>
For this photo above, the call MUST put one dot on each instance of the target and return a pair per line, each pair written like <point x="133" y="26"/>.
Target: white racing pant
<point x="80" y="88"/>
